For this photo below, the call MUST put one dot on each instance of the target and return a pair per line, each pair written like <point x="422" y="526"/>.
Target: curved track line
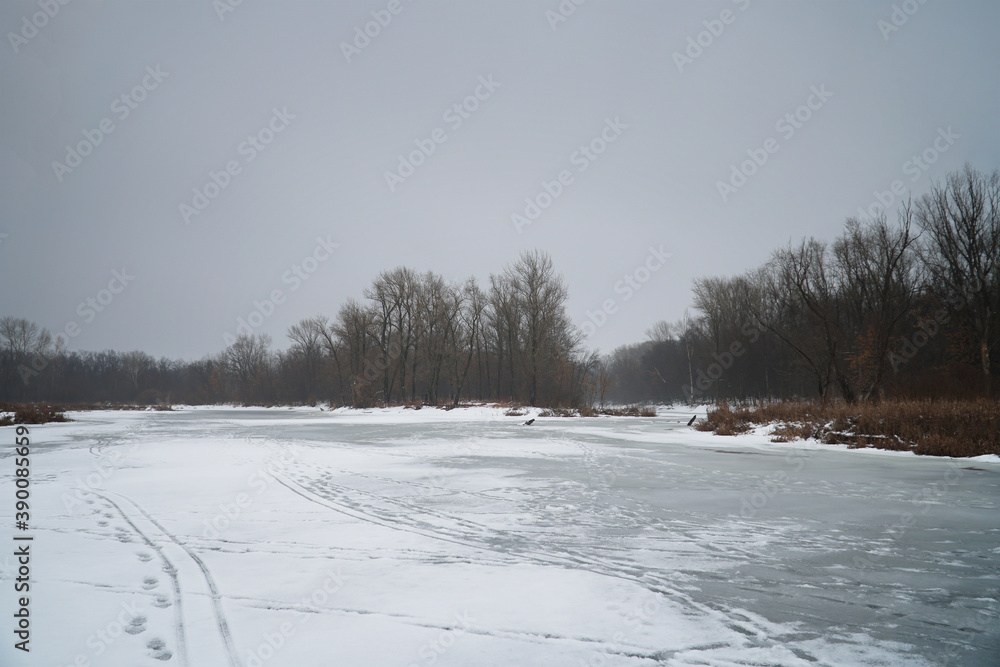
<point x="220" y="615"/>
<point x="355" y="514"/>
<point x="169" y="569"/>
<point x="738" y="623"/>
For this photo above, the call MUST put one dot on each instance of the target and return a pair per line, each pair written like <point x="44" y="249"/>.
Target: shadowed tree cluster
<point x="418" y="338"/>
<point x="904" y="309"/>
<point x="909" y="308"/>
<point x="412" y="337"/>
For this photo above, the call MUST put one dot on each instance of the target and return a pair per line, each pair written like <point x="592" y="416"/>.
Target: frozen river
<point x="225" y="537"/>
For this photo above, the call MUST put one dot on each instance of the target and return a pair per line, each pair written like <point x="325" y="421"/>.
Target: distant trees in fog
<point x="910" y="308"/>
<point x="413" y="337"/>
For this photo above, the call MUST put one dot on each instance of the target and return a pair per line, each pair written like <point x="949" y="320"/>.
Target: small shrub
<point x="732" y="429"/>
<point x="791" y="432"/>
<point x="34" y="414"/>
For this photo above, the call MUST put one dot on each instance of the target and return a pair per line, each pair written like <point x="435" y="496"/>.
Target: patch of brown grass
<point x="76" y="407"/>
<point x="32" y="414"/>
<point x="723" y="420"/>
<point x="791" y="432"/>
<point x="932" y="427"/>
<point x="629" y="411"/>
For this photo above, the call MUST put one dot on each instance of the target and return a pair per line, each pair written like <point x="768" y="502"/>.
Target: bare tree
<point x="438" y="313"/>
<point x="348" y="340"/>
<point x="308" y="338"/>
<point x="467" y="306"/>
<point x="541" y="296"/>
<point x="22" y="337"/>
<point x="878" y="283"/>
<point x="396" y="327"/>
<point x="960" y="221"/>
<point x="137" y="364"/>
<point x="472" y="315"/>
<point x="800" y="306"/>
<point x="662" y="331"/>
<point x="603" y="378"/>
<point x="246" y="361"/>
<point x="504" y="317"/>
<point x="715" y="298"/>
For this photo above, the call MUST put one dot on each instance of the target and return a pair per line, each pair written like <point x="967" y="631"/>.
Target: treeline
<point x="905" y="309"/>
<point x="414" y="337"/>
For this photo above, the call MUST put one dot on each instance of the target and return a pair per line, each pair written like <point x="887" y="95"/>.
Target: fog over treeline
<point x="904" y="307"/>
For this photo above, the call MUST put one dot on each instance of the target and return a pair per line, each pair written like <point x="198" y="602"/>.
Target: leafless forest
<point x="905" y="308"/>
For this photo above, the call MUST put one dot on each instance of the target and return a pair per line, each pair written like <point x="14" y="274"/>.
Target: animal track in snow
<point x="159" y="649"/>
<point x="136" y="625"/>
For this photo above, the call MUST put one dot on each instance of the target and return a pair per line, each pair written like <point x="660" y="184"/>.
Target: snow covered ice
<point x="222" y="537"/>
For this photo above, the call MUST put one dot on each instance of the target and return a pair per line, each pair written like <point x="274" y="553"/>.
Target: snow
<point x="274" y="536"/>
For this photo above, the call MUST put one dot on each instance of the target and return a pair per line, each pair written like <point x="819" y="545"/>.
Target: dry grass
<point x="589" y="411"/>
<point x="31" y="414"/>
<point x="630" y="411"/>
<point x="935" y="428"/>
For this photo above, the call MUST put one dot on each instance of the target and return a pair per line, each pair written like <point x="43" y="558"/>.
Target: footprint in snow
<point x="136" y="625"/>
<point x="149" y="583"/>
<point x="159" y="649"/>
<point x="102" y="523"/>
<point x="161" y="602"/>
<point x="144" y="557"/>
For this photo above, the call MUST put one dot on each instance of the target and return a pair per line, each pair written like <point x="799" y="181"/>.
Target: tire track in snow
<point x="223" y="626"/>
<point x="535" y="637"/>
<point x="398" y="514"/>
<point x="169" y="568"/>
<point x="361" y="515"/>
<point x="216" y="597"/>
<point x="387" y="511"/>
<point x="746" y="628"/>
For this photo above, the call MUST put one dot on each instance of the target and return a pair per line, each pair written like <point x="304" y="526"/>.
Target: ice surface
<point x="429" y="537"/>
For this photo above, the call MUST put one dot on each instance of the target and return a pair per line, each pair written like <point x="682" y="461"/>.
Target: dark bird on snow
<point x="529" y="422"/>
<point x="692" y="420"/>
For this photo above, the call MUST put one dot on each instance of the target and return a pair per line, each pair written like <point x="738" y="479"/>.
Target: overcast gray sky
<point x="309" y="114"/>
